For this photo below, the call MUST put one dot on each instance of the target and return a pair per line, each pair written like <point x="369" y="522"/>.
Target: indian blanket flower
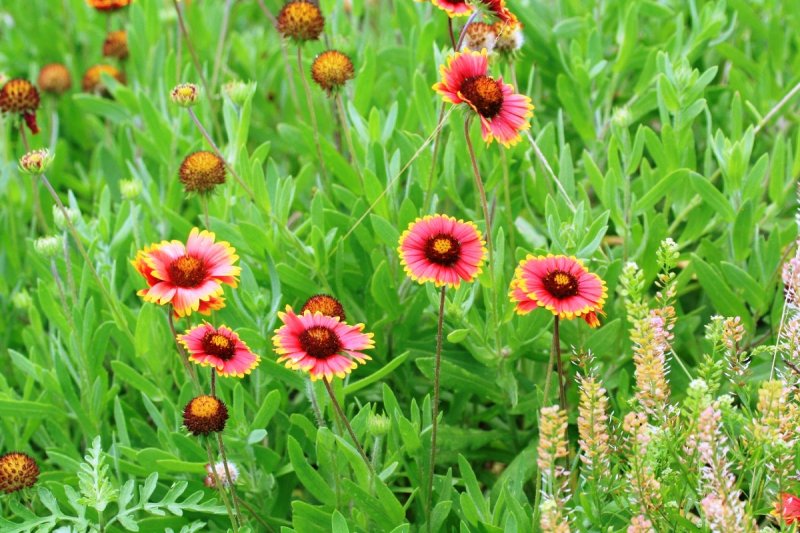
<point x="220" y="348"/>
<point x="300" y="21"/>
<point x="36" y="161"/>
<point x="498" y="9"/>
<point x="184" y="94"/>
<point x="503" y="113"/>
<point x="201" y="172"/>
<point x="331" y="70"/>
<point x="453" y="8"/>
<point x="92" y="81"/>
<point x="116" y="45"/>
<point x="787" y="508"/>
<point x="204" y="415"/>
<point x="321" y="345"/>
<point x="443" y="250"/>
<point x="325" y="304"/>
<point x="189" y="277"/>
<point x="20" y="97"/>
<point x="17" y="471"/>
<point x="108" y="5"/>
<point x="54" y="78"/>
<point x="561" y="284"/>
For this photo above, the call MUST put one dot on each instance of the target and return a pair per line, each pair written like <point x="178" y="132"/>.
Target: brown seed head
<point x="17" y="471"/>
<point x="331" y="69"/>
<point x="93" y="83"/>
<point x="116" y="45"/>
<point x="54" y="78"/>
<point x="325" y="304"/>
<point x="201" y="172"/>
<point x="301" y="21"/>
<point x="19" y="96"/>
<point x="204" y="415"/>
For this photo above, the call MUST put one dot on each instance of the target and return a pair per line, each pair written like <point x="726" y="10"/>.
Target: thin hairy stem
<point x="190" y="47"/>
<point x="184" y="356"/>
<point x="230" y="479"/>
<point x="429" y="188"/>
<point x="562" y="378"/>
<point x="346" y="422"/>
<point x="204" y="204"/>
<point x="311" y="112"/>
<point x="226" y="17"/>
<point x="437" y="369"/>
<point x="349" y="138"/>
<point x="37" y="204"/>
<point x="218" y="484"/>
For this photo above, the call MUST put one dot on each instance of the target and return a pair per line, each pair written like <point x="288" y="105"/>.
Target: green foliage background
<point x="652" y="115"/>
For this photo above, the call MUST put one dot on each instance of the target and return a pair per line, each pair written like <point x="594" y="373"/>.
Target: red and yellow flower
<point x="503" y="113"/>
<point x="20" y="97"/>
<point x="321" y="345"/>
<point x="219" y="347"/>
<point x="787" y="508"/>
<point x="189" y="277"/>
<point x="108" y="5"/>
<point x="561" y="284"/>
<point x="443" y="250"/>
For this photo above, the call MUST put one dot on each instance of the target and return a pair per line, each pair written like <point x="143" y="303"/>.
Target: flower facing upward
<point x="184" y="94"/>
<point x="54" y="78"/>
<point x="36" y="161"/>
<point x="116" y="45"/>
<point x="201" y="172"/>
<point x="93" y="83"/>
<point x="560" y="284"/>
<point x="787" y="508"/>
<point x="190" y="276"/>
<point x="108" y="5"/>
<point x="205" y="414"/>
<point x="478" y="36"/>
<point x="301" y="21"/>
<point x="321" y="345"/>
<point x="442" y="249"/>
<point x="20" y="97"/>
<point x="221" y="348"/>
<point x="17" y="471"/>
<point x="325" y="304"/>
<point x="503" y="113"/>
<point x="331" y="69"/>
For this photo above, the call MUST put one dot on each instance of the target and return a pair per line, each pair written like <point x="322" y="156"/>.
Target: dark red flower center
<point x="484" y="93"/>
<point x="187" y="271"/>
<point x="218" y="345"/>
<point x="320" y="342"/>
<point x="443" y="249"/>
<point x="561" y="284"/>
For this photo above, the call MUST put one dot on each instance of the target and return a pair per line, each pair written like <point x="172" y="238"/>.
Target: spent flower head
<point x="17" y="471"/>
<point x="331" y="70"/>
<point x="300" y="21"/>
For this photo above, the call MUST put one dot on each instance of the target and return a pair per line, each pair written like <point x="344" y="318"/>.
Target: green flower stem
<point x="230" y="479"/>
<point x="184" y="356"/>
<point x="349" y="138"/>
<point x="220" y="487"/>
<point x="437" y="369"/>
<point x="311" y="112"/>
<point x="343" y="417"/>
<point x="37" y="205"/>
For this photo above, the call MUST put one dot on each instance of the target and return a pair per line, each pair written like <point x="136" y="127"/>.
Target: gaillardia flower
<point x="36" y="161"/>
<point x="509" y="37"/>
<point x="499" y="10"/>
<point x="108" y="5"/>
<point x="116" y="45"/>
<point x="560" y="284"/>
<point x="17" y="471"/>
<point x="219" y="347"/>
<point x="325" y="304"/>
<point x="93" y="83"/>
<point x="453" y="8"/>
<point x="201" y="172"/>
<point x="20" y="97"/>
<point x="184" y="94"/>
<point x="300" y="20"/>
<point x="788" y="508"/>
<point x="331" y="69"/>
<point x="443" y="250"/>
<point x="189" y="277"/>
<point x="503" y="113"/>
<point x="205" y="414"/>
<point x="54" y="78"/>
<point x="321" y="345"/>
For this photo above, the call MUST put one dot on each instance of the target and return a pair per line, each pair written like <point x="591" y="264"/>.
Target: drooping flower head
<point x="116" y="45"/>
<point x="454" y="8"/>
<point x="443" y="250"/>
<point x="204" y="415"/>
<point x="219" y="347"/>
<point x="108" y="5"/>
<point x="560" y="284"/>
<point x="92" y="81"/>
<point x="189" y="277"/>
<point x="221" y="474"/>
<point x="321" y="345"/>
<point x="331" y="70"/>
<point x="787" y="508"/>
<point x="300" y="21"/>
<point x="201" y="172"/>
<point x="54" y="78"/>
<point x="503" y="113"/>
<point x="325" y="304"/>
<point x="17" y="471"/>
<point x="498" y="9"/>
<point x="479" y="35"/>
<point x="20" y="97"/>
<point x="509" y="37"/>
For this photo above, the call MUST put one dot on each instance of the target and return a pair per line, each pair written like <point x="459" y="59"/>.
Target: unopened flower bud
<point x="35" y="161"/>
<point x="130" y="189"/>
<point x="379" y="425"/>
<point x="184" y="94"/>
<point x="49" y="246"/>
